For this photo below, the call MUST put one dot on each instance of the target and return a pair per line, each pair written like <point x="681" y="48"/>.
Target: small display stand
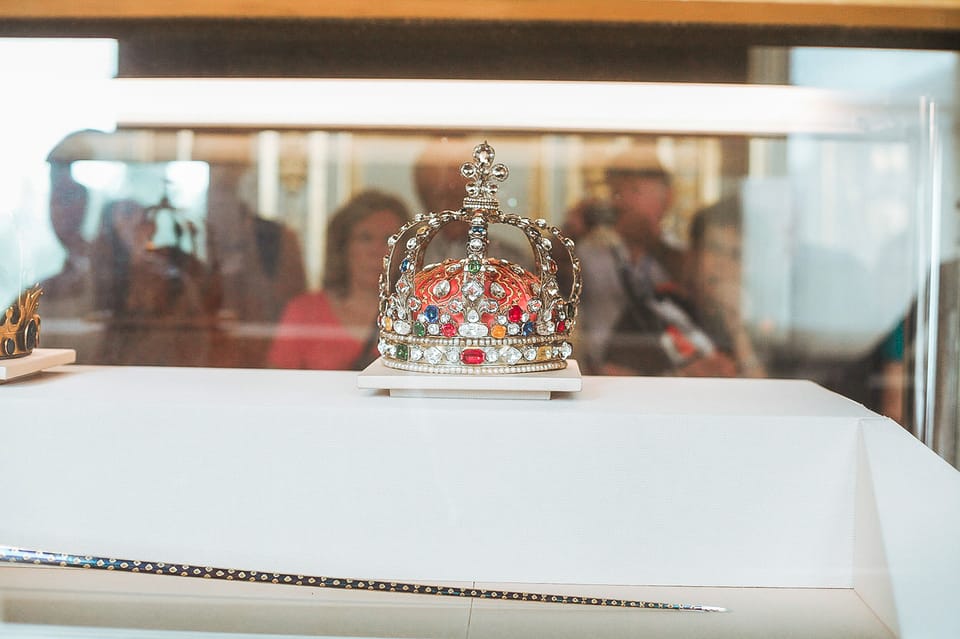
<point x="519" y="386"/>
<point x="40" y="359"/>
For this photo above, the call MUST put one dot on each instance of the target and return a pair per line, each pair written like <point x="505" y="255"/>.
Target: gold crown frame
<point x="479" y="314"/>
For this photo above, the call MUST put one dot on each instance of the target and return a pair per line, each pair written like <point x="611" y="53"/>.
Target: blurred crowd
<point x="233" y="292"/>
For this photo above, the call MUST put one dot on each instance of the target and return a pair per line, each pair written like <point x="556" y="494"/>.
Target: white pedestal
<point x="519" y="386"/>
<point x="40" y="359"/>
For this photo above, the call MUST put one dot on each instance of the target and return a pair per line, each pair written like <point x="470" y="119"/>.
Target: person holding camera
<point x="635" y="317"/>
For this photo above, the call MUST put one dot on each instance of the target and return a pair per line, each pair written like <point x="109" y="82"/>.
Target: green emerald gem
<point x="419" y="329"/>
<point x="473" y="266"/>
<point x="402" y="351"/>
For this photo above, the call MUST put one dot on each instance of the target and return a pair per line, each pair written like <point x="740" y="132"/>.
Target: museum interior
<point x="756" y="190"/>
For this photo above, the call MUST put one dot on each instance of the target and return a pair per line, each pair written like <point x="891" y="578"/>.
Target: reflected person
<point x="635" y="316"/>
<point x="716" y="283"/>
<point x="163" y="299"/>
<point x="69" y="296"/>
<point x="336" y="328"/>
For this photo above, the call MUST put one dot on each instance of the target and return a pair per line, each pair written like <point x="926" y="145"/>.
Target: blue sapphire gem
<point x="405" y="265"/>
<point x="477" y="230"/>
<point x="431" y="313"/>
<point x="529" y="328"/>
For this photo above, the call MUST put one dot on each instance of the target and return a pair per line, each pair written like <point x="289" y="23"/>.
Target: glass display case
<point x="830" y="263"/>
<point x="806" y="232"/>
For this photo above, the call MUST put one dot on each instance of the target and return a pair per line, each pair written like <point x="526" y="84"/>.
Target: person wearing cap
<point x="635" y="319"/>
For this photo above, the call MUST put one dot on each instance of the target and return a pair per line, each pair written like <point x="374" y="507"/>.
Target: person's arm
<point x="893" y="374"/>
<point x="599" y="307"/>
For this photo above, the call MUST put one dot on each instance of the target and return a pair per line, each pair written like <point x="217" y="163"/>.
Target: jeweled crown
<point x="20" y="324"/>
<point x="479" y="314"/>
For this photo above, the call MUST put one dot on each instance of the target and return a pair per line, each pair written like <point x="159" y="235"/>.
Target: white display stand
<point x="40" y="359"/>
<point x="803" y="512"/>
<point x="511" y="386"/>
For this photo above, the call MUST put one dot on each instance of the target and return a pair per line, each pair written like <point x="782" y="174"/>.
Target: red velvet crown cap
<point x="506" y="286"/>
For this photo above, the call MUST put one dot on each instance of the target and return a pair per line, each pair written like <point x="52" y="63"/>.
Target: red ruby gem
<point x="514" y="313"/>
<point x="449" y="330"/>
<point x="472" y="356"/>
<point x="561" y="326"/>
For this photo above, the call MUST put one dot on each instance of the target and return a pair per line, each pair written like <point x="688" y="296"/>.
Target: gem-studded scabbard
<point x="21" y="556"/>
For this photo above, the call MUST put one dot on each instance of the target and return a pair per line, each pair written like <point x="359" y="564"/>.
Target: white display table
<point x="802" y="511"/>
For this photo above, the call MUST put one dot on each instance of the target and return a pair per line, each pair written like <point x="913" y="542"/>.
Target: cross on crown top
<point x="482" y="191"/>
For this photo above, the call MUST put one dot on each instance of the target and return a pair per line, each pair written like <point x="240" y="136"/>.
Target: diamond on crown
<point x="473" y="290"/>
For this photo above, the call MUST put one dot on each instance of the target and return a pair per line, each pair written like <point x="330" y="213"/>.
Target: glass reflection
<point x="784" y="256"/>
<point x="693" y="267"/>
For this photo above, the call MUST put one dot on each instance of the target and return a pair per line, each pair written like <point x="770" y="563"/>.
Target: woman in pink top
<point x="336" y="328"/>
